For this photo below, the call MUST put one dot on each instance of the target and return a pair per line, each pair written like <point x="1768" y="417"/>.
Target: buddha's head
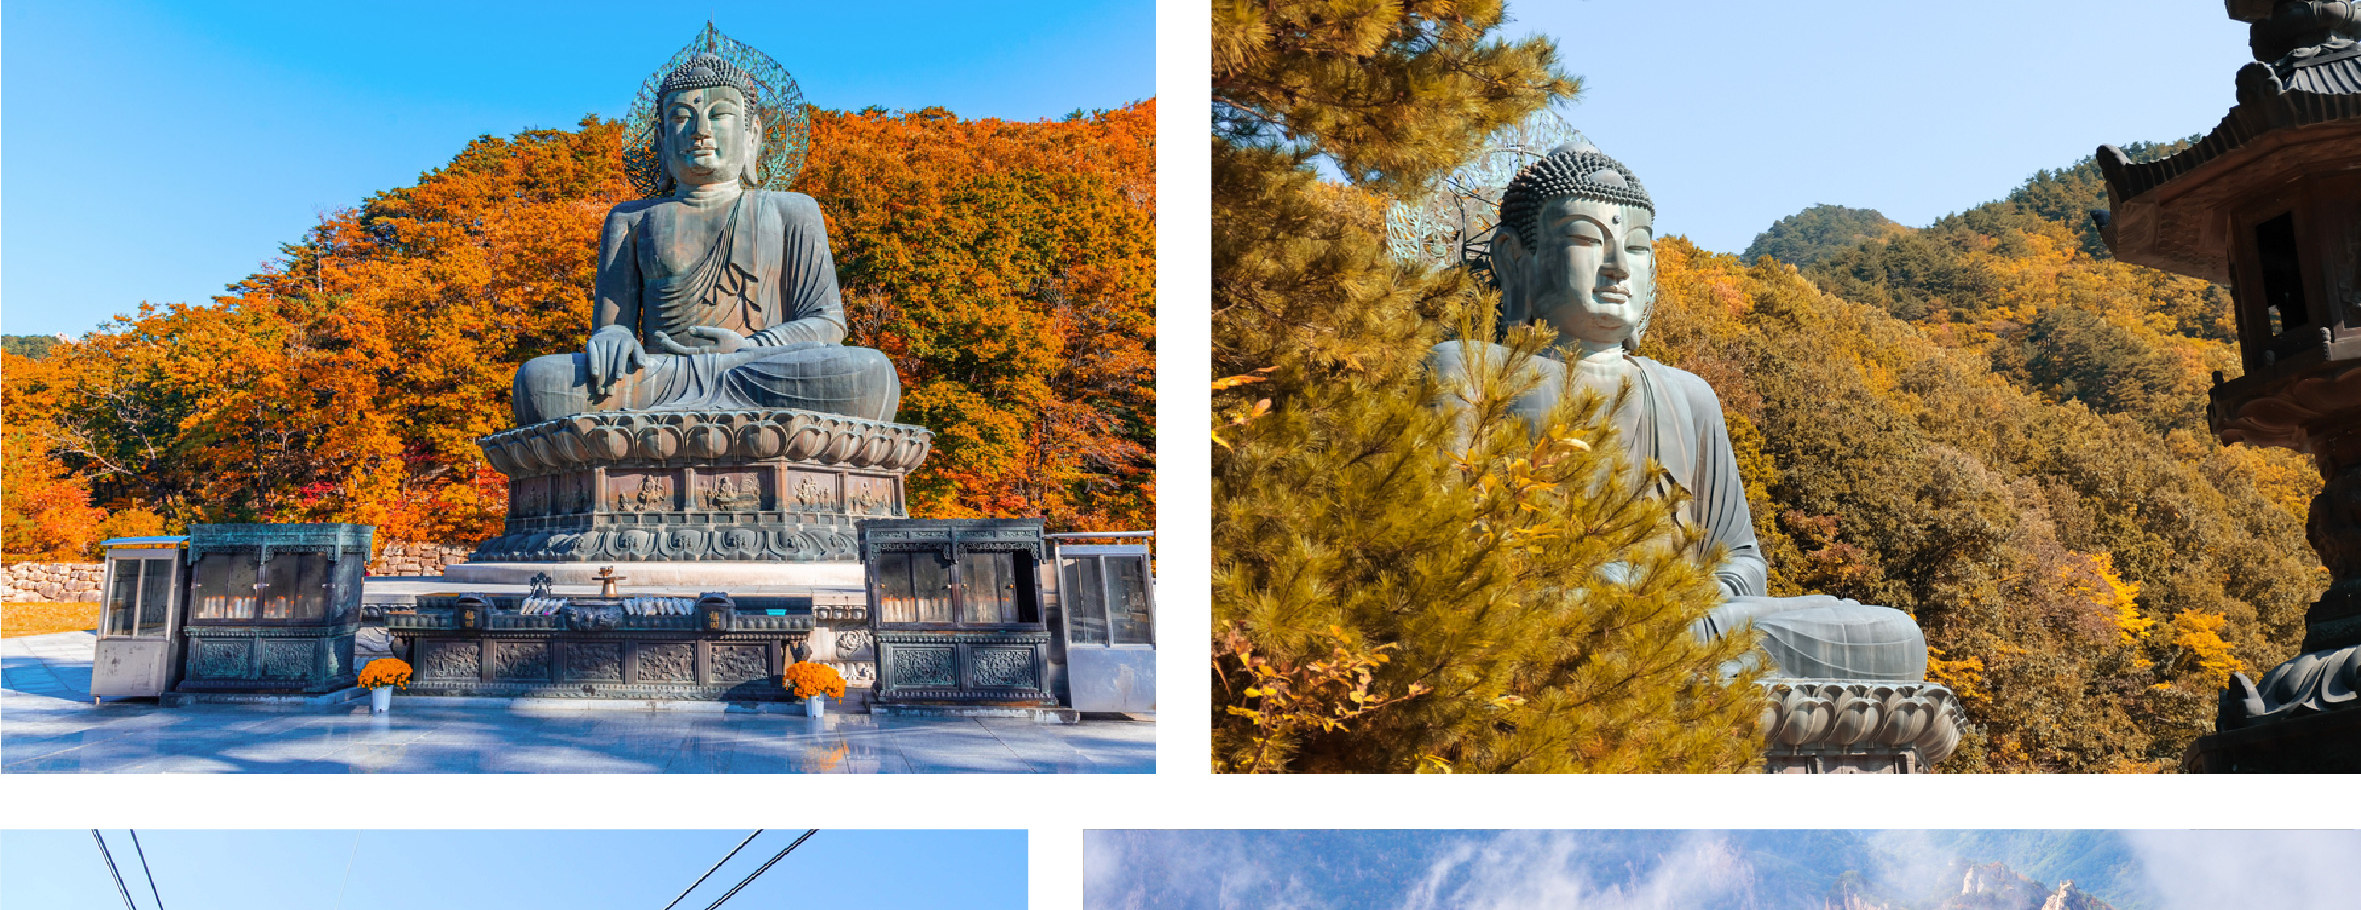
<point x="709" y="130"/>
<point x="1576" y="248"/>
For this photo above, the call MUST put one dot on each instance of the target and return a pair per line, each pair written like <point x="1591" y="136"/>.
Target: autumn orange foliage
<point x="1007" y="267"/>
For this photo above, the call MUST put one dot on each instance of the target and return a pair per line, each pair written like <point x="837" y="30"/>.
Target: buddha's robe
<point x="1673" y="417"/>
<point x="765" y="273"/>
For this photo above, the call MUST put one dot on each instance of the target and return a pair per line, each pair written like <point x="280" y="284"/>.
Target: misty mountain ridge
<point x="1975" y="886"/>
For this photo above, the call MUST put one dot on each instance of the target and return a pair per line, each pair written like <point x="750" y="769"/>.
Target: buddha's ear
<point x="664" y="182"/>
<point x="1507" y="258"/>
<point x="752" y="175"/>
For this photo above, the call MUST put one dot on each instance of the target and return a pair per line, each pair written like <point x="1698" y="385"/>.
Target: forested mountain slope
<point x="1989" y="423"/>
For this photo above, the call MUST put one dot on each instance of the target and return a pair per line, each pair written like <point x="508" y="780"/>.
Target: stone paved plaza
<point x="48" y="724"/>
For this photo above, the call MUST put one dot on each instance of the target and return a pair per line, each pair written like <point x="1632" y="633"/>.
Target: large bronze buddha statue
<point x="712" y="294"/>
<point x="715" y="415"/>
<point x="1575" y="251"/>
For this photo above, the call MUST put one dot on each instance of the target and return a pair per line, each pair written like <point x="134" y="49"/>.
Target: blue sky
<point x="159" y="151"/>
<point x="404" y="870"/>
<point x="1736" y="113"/>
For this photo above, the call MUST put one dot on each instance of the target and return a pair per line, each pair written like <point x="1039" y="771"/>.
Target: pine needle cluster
<point x="1508" y="601"/>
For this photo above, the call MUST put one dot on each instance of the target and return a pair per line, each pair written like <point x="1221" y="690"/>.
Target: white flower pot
<point x="815" y="706"/>
<point x="381" y="699"/>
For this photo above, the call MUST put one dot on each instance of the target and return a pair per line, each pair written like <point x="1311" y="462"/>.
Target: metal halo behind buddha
<point x="777" y="102"/>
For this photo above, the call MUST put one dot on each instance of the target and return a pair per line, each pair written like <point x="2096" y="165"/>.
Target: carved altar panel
<point x="1004" y="668"/>
<point x="738" y="663"/>
<point x="925" y="666"/>
<point x="520" y="660"/>
<point x="285" y="659"/>
<point x="451" y="660"/>
<point x="670" y="662"/>
<point x="589" y="662"/>
<point x="219" y="659"/>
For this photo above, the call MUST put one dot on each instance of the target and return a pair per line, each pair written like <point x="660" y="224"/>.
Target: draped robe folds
<point x="764" y="271"/>
<point x="1674" y="417"/>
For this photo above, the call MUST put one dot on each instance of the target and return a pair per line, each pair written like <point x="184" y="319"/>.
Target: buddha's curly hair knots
<point x="1583" y="172"/>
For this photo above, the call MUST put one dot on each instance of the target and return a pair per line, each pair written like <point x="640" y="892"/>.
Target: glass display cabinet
<point x="273" y="608"/>
<point x="1106" y="596"/>
<point x="138" y="617"/>
<point x="955" y="606"/>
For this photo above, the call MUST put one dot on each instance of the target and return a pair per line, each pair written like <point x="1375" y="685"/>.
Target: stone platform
<point x="51" y="727"/>
<point x="773" y="485"/>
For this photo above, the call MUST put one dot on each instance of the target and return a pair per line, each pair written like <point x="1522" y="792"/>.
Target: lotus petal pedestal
<point x="676" y="486"/>
<point x="1835" y="726"/>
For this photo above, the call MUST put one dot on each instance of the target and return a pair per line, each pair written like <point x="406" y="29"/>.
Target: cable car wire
<point x="766" y="867"/>
<point x="111" y="870"/>
<point x="144" y="870"/>
<point x="716" y="868"/>
<point x="348" y="871"/>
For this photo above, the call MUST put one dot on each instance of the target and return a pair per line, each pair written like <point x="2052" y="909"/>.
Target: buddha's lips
<point x="1611" y="296"/>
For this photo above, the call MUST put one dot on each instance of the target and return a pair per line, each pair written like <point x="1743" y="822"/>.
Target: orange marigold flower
<point x="385" y="671"/>
<point x="809" y="679"/>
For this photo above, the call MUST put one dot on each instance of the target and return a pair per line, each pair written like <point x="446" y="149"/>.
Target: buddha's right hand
<point x="614" y="353"/>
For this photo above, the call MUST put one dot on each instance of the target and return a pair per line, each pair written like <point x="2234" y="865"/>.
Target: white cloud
<point x="1517" y="870"/>
<point x="2205" y="870"/>
<point x="1194" y="869"/>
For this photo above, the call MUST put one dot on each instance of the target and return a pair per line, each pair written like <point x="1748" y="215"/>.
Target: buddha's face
<point x="1592" y="271"/>
<point x="708" y="135"/>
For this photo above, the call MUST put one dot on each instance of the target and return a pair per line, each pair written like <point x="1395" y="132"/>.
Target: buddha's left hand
<point x="719" y="341"/>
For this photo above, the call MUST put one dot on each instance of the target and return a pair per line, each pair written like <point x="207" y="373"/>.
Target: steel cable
<point x="716" y="868"/>
<point x="144" y="870"/>
<point x="766" y="867"/>
<point x="111" y="870"/>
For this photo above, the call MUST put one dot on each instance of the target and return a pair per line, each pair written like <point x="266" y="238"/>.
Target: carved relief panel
<point x="869" y="495"/>
<point x="811" y="492"/>
<point x="641" y="491"/>
<point x="529" y="496"/>
<point x="580" y="496"/>
<point x="730" y="490"/>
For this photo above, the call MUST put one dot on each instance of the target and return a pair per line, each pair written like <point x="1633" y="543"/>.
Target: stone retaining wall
<point x="404" y="559"/>
<point x="52" y="582"/>
<point x="71" y="582"/>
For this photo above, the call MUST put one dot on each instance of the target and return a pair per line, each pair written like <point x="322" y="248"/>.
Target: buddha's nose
<point x="1611" y="265"/>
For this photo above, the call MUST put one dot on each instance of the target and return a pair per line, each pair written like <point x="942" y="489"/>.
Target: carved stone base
<point x="268" y="660"/>
<point x="936" y="668"/>
<point x="1822" y="726"/>
<point x="676" y="486"/>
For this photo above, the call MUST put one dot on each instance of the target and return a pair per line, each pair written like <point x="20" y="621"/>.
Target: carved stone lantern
<point x="2269" y="204"/>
